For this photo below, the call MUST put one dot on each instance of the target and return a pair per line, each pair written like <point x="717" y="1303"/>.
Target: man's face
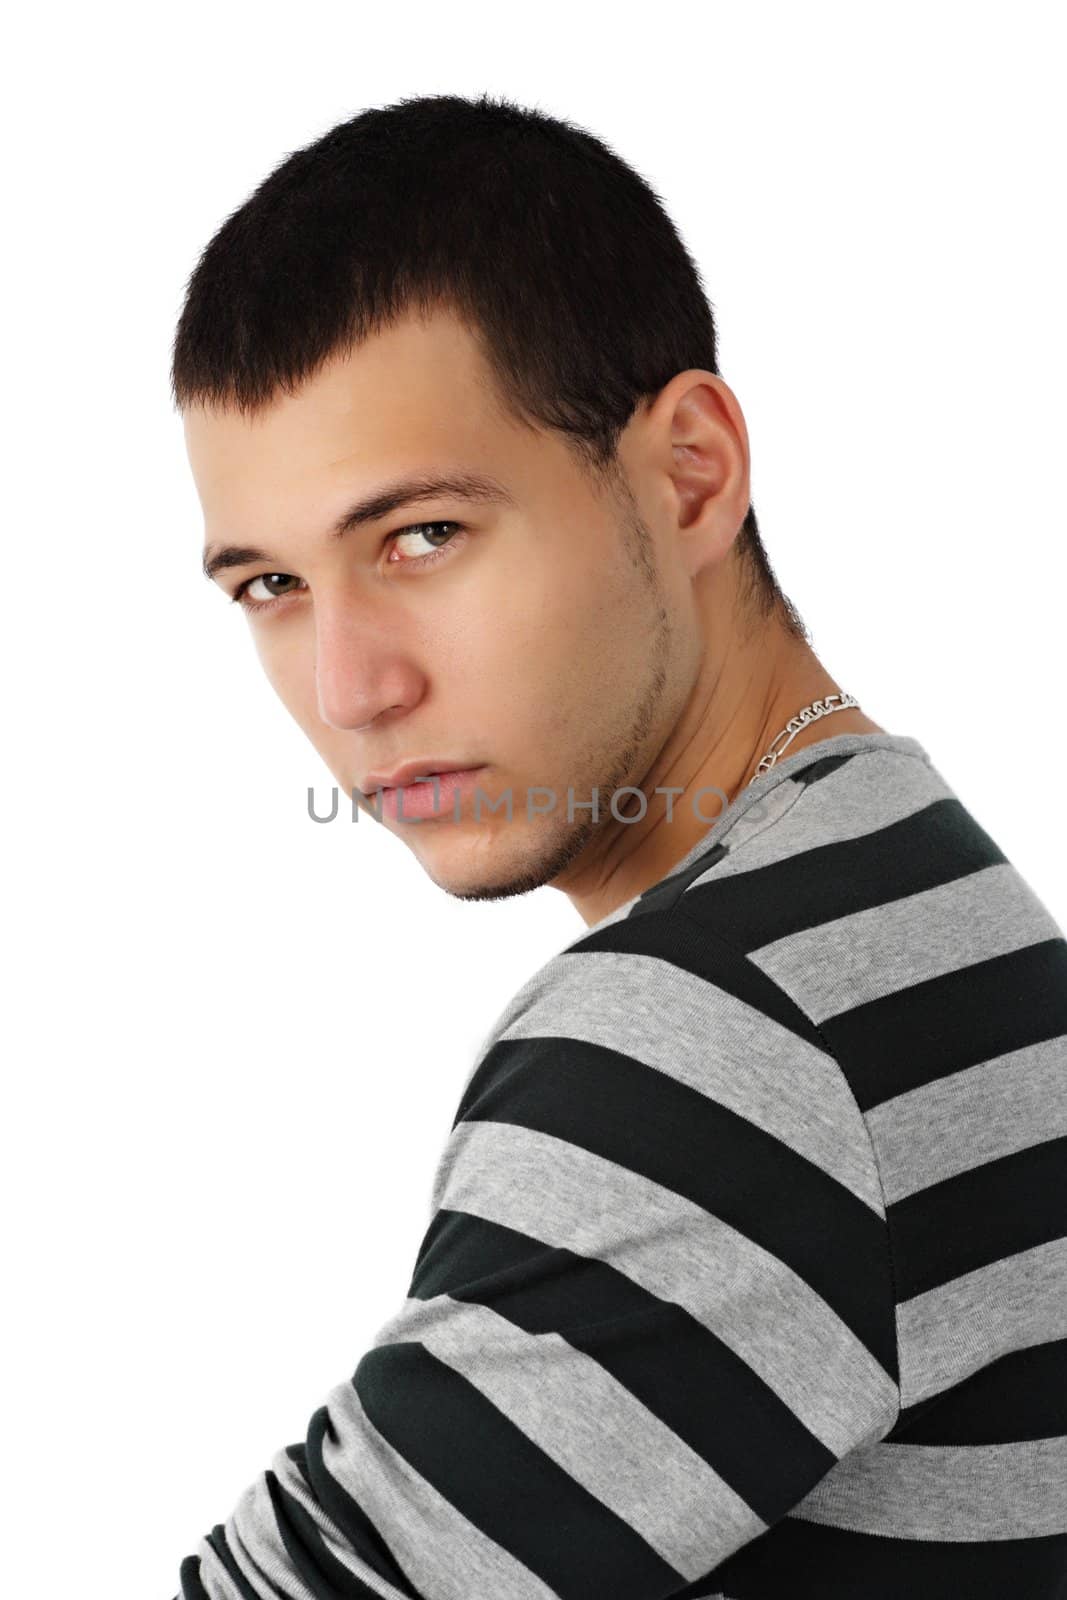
<point x="525" y="639"/>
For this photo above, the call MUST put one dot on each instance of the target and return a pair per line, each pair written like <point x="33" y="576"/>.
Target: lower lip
<point x="434" y="797"/>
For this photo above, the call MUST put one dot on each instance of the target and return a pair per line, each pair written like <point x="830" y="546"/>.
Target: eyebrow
<point x="476" y="487"/>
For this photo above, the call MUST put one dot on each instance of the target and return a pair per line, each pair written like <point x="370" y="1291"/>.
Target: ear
<point x="702" y="445"/>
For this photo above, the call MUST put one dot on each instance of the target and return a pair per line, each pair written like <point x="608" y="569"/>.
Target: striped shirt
<point x="746" y="1266"/>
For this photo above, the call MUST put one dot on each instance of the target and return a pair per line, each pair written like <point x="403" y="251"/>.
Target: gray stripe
<point x="843" y="963"/>
<point x="256" y="1546"/>
<point x="949" y="1332"/>
<point x="870" y="792"/>
<point x="217" y="1583"/>
<point x="761" y="796"/>
<point x="255" y="1543"/>
<point x="756" y="1304"/>
<point x="292" y="1480"/>
<point x="591" y="1425"/>
<point x="979" y="1114"/>
<point x="441" y="1551"/>
<point x="699" y="1035"/>
<point x="269" y="1582"/>
<point x="964" y="1492"/>
<point x="740" y="836"/>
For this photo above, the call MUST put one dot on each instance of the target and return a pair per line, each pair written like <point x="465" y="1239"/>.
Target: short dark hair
<point x="557" y="255"/>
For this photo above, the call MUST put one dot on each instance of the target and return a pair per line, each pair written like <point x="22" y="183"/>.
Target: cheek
<point x="549" y="613"/>
<point x="557" y="639"/>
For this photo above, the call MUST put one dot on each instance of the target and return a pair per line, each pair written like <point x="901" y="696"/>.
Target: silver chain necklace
<point x="812" y="713"/>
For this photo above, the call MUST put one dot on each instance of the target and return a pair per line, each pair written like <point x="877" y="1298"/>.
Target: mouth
<point x="437" y="795"/>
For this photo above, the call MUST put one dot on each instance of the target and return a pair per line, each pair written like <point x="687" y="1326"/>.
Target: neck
<point x="741" y="700"/>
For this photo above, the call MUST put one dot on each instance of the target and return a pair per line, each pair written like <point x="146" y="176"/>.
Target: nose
<point x="364" y="670"/>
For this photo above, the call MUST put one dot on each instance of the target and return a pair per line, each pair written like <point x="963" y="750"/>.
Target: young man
<point x="746" y="1268"/>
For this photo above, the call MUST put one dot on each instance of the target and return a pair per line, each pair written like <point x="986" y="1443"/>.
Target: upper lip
<point x="425" y="768"/>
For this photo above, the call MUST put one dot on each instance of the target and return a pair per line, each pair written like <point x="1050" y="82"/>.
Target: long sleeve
<point x="652" y="1309"/>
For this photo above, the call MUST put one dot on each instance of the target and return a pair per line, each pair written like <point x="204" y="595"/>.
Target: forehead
<point x="420" y="388"/>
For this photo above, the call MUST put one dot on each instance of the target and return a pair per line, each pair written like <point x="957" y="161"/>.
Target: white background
<point x="236" y="1040"/>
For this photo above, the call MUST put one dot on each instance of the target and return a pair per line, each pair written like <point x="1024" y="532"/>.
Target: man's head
<point x="461" y="289"/>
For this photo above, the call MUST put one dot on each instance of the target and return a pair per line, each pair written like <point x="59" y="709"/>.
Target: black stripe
<point x="692" y="947"/>
<point x="606" y="1102"/>
<point x="664" y="894"/>
<point x="980" y="1216"/>
<point x="217" y="1540"/>
<point x="189" y="1578"/>
<point x="463" y="1445"/>
<point x="297" y="1453"/>
<point x="808" y="1561"/>
<point x="1021" y="1395"/>
<point x="821" y="769"/>
<point x="903" y="1040"/>
<point x="320" y="1569"/>
<point x="342" y="1509"/>
<point x="675" y="1366"/>
<point x="934" y="846"/>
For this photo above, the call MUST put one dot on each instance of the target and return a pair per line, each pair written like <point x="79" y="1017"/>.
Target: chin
<point x="507" y="867"/>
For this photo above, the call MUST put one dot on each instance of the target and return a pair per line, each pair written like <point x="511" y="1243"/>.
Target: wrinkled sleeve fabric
<point x="652" y="1309"/>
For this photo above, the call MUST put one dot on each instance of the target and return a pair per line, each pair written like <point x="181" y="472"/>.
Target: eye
<point x="272" y="593"/>
<point x="243" y="595"/>
<point x="417" y="531"/>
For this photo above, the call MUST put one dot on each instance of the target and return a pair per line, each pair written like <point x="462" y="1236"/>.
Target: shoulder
<point x="662" y="1085"/>
<point x="656" y="1020"/>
